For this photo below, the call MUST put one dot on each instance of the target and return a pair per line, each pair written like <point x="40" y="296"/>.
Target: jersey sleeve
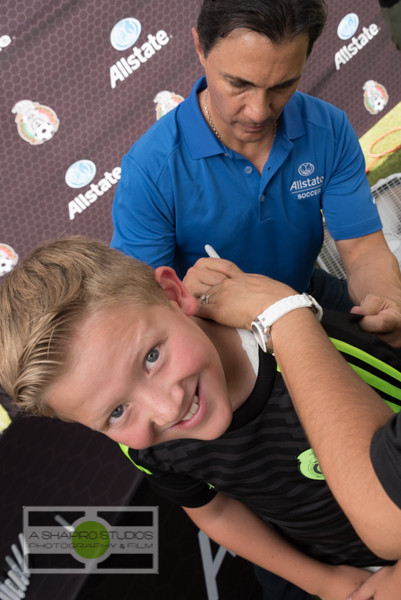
<point x="182" y="489"/>
<point x="144" y="226"/>
<point x="385" y="453"/>
<point x="348" y="205"/>
<point x="179" y="488"/>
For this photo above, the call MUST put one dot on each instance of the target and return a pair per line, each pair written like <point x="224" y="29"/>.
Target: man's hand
<point x="382" y="316"/>
<point x="235" y="298"/>
<point x="374" y="284"/>
<point x="383" y="585"/>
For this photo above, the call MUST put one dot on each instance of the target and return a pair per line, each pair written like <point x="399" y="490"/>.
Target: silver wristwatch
<point x="262" y="324"/>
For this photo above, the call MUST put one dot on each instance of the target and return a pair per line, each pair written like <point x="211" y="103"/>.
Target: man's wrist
<point x="262" y="324"/>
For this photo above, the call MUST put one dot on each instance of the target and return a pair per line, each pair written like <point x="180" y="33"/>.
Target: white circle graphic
<point x="125" y="33"/>
<point x="80" y="173"/>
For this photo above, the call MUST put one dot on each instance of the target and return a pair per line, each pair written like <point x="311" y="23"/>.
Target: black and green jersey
<point x="264" y="458"/>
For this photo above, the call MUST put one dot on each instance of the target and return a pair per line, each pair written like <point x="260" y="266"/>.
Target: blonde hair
<point x="43" y="300"/>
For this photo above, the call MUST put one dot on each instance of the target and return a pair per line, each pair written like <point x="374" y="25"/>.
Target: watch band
<point x="262" y="324"/>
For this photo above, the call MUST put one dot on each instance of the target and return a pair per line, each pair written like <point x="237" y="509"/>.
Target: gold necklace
<point x="211" y="123"/>
<point x="213" y="126"/>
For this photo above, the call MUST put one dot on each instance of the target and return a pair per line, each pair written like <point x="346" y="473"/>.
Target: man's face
<point x="143" y="376"/>
<point x="250" y="80"/>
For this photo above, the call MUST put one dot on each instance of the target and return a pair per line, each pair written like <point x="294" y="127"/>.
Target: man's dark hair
<point x="276" y="19"/>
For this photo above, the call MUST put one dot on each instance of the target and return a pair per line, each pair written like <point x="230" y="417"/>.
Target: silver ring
<point x="205" y="298"/>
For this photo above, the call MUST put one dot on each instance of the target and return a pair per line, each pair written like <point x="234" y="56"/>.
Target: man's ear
<point x="198" y="47"/>
<point x="175" y="290"/>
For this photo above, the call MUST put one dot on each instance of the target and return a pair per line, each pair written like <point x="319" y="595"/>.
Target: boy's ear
<point x="175" y="290"/>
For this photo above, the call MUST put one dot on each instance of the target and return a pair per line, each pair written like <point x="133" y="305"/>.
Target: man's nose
<point x="258" y="108"/>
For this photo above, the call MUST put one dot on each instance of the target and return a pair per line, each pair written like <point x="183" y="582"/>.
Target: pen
<point x="210" y="251"/>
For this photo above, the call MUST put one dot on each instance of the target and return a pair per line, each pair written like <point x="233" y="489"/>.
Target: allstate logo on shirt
<point x="306" y="169"/>
<point x="125" y="33"/>
<point x="348" y="26"/>
<point x="80" y="173"/>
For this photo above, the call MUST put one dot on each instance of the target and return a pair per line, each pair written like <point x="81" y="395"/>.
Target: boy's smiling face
<point x="143" y="376"/>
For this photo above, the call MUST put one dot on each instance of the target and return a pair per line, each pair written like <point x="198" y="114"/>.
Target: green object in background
<point x="4" y="419"/>
<point x="389" y="163"/>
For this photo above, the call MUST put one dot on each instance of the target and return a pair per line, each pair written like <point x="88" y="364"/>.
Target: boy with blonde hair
<point x="90" y="335"/>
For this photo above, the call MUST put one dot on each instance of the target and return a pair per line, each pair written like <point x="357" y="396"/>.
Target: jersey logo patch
<point x="309" y="466"/>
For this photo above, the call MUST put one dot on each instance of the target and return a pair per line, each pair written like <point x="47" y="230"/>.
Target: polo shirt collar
<point x="199" y="138"/>
<point x="201" y="141"/>
<point x="292" y="122"/>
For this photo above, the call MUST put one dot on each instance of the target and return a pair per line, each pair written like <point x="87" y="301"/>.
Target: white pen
<point x="210" y="251"/>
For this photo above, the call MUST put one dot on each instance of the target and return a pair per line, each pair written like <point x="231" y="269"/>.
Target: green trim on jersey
<point x="373" y="380"/>
<point x="126" y="449"/>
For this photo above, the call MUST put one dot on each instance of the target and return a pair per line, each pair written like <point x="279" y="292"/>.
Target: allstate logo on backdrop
<point x="124" y="36"/>
<point x="125" y="33"/>
<point x="348" y="26"/>
<point x="5" y="41"/>
<point x="80" y="174"/>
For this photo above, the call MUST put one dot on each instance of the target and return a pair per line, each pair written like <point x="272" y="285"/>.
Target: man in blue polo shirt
<point x="248" y="165"/>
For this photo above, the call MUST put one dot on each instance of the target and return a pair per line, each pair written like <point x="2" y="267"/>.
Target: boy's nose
<point x="168" y="409"/>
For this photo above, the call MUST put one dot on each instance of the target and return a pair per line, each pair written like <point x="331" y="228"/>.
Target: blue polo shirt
<point x="181" y="188"/>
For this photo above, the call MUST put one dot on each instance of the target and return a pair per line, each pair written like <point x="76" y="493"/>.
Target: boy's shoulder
<point x="371" y="357"/>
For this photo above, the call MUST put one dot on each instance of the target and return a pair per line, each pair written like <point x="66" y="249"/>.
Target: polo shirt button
<point x="262" y="197"/>
<point x="248" y="169"/>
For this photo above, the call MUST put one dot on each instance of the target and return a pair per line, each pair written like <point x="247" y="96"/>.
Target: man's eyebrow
<point x="286" y="83"/>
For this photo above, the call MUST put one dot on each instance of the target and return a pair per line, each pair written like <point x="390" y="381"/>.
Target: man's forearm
<point x="340" y="414"/>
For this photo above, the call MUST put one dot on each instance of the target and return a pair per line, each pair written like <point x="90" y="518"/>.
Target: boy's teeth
<point x="192" y="410"/>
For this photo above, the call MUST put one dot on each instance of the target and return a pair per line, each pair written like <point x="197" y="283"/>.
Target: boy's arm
<point x="234" y="526"/>
<point x="339" y="412"/>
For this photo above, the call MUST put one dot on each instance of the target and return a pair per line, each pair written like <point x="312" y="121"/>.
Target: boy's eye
<point x="153" y="355"/>
<point x="116" y="414"/>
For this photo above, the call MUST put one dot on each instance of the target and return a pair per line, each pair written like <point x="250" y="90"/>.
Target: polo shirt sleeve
<point x="385" y="453"/>
<point x="348" y="205"/>
<point x="144" y="226"/>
